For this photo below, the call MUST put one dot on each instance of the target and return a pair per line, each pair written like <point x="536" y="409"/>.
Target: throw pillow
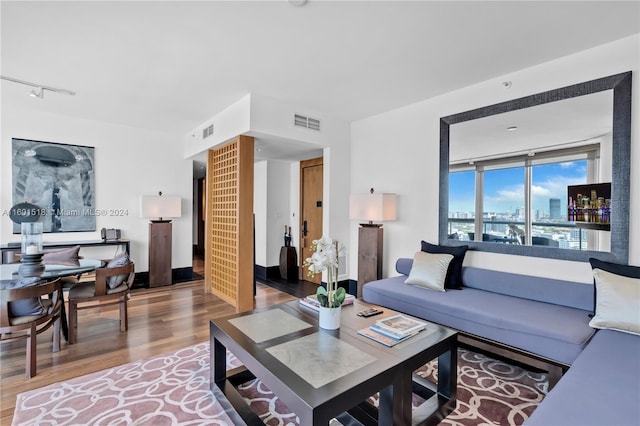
<point x="20" y="308"/>
<point x="454" y="275"/>
<point x="429" y="270"/>
<point x="63" y="256"/>
<point x="614" y="268"/>
<point x="618" y="303"/>
<point x="120" y="260"/>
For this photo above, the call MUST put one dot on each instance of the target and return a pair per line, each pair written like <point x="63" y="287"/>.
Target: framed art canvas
<point x="53" y="183"/>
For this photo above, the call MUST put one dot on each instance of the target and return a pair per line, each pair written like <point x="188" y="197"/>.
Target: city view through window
<point x="503" y="201"/>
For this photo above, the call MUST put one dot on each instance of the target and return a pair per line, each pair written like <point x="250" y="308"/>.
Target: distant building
<point x="554" y="209"/>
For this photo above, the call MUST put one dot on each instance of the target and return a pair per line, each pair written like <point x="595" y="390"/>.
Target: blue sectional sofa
<point x="602" y="387"/>
<point x="539" y="321"/>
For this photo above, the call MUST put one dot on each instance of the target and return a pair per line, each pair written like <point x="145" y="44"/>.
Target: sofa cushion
<point x="553" y="331"/>
<point x="600" y="388"/>
<point x="549" y="290"/>
<point x="62" y="256"/>
<point x="429" y="270"/>
<point x="25" y="307"/>
<point x="614" y="268"/>
<point x="618" y="302"/>
<point x="121" y="259"/>
<point x="454" y="274"/>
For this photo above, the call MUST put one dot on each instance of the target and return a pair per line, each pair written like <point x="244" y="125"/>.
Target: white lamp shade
<point x="376" y="207"/>
<point x="160" y="206"/>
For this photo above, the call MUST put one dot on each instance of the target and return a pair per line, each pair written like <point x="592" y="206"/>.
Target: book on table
<point x="383" y="338"/>
<point x="399" y="326"/>
<point x="393" y="330"/>
<point x="311" y="301"/>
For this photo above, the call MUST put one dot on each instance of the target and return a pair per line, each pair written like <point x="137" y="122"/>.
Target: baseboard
<point x="266" y="272"/>
<point x="352" y="287"/>
<point x="178" y="275"/>
<point x="346" y="284"/>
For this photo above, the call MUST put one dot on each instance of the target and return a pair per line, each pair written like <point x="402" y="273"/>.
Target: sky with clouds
<point x="504" y="189"/>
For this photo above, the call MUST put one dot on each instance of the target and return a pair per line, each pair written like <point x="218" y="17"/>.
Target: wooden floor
<point x="160" y="320"/>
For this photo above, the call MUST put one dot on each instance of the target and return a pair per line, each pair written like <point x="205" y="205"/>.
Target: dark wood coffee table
<point x="321" y="374"/>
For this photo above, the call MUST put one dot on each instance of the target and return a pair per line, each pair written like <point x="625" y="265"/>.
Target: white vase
<point x="330" y="318"/>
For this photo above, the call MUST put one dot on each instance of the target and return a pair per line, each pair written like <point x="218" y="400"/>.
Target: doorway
<point x="311" y="174"/>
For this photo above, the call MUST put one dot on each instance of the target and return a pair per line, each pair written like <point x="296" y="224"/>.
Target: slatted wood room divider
<point x="229" y="259"/>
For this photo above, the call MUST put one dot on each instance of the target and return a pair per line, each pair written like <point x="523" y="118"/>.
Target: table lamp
<point x="158" y="208"/>
<point x="372" y="207"/>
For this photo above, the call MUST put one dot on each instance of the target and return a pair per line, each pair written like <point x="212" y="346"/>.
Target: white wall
<point x="261" y="116"/>
<point x="278" y="209"/>
<point x="229" y="123"/>
<point x="398" y="151"/>
<point x="129" y="162"/>
<point x="273" y="117"/>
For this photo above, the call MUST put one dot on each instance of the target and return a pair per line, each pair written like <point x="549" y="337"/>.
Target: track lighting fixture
<point x="38" y="91"/>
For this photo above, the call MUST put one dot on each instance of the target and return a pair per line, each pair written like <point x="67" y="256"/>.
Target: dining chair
<point x="45" y="303"/>
<point x="112" y="285"/>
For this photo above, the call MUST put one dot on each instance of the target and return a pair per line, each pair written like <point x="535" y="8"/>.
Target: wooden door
<point x="310" y="211"/>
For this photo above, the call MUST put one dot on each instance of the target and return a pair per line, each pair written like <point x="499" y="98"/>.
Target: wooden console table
<point x="47" y="246"/>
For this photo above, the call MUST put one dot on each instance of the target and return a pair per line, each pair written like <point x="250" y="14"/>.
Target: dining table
<point x="54" y="270"/>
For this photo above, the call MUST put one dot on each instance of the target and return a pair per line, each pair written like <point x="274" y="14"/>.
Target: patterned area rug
<point x="173" y="389"/>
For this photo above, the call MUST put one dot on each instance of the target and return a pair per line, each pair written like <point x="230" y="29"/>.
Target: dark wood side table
<point x="288" y="263"/>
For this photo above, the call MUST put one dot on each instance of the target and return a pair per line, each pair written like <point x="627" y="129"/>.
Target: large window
<point x="521" y="199"/>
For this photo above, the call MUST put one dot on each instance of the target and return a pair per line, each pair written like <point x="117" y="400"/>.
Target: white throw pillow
<point x="429" y="270"/>
<point x="617" y="302"/>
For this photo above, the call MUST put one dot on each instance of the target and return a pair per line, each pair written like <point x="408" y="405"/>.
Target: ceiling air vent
<point x="309" y="123"/>
<point x="207" y="131"/>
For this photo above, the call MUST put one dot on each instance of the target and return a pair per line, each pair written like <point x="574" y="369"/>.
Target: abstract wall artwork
<point x="53" y="183"/>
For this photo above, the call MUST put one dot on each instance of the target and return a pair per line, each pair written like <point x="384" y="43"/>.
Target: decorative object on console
<point x="429" y="270"/>
<point x="378" y="207"/>
<point x="160" y="207"/>
<point x="288" y="257"/>
<point x="31" y="253"/>
<point x="31" y="237"/>
<point x="454" y="274"/>
<point x="325" y="258"/>
<point x="110" y="234"/>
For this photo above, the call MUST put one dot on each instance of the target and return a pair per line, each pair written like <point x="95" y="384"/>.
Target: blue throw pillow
<point x="120" y="260"/>
<point x="20" y="308"/>
<point x="454" y="274"/>
<point x="613" y="268"/>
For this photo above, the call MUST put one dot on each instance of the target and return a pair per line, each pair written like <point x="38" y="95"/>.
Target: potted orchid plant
<point x="325" y="258"/>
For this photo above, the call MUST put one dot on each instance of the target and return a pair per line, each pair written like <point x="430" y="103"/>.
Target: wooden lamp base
<point x="160" y="253"/>
<point x="369" y="254"/>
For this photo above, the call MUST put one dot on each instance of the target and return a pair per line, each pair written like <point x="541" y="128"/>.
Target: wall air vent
<point x="207" y="131"/>
<point x="307" y="122"/>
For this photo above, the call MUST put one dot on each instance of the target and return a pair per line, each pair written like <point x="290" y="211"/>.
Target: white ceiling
<point x="172" y="65"/>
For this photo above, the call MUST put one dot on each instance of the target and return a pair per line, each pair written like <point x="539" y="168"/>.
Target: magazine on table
<point x="400" y="325"/>
<point x="391" y="334"/>
<point x="311" y="301"/>
<point x="382" y="338"/>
